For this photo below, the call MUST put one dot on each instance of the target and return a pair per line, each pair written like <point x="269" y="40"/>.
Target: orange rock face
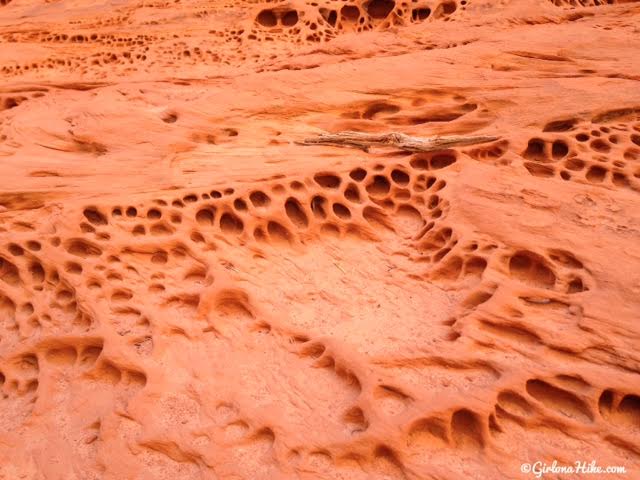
<point x="187" y="292"/>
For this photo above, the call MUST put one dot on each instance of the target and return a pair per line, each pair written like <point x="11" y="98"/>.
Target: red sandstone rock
<point x="186" y="292"/>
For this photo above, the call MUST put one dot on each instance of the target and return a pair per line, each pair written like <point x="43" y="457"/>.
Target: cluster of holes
<point x="595" y="153"/>
<point x="560" y="270"/>
<point x="464" y="430"/>
<point x="312" y="24"/>
<point x="338" y="204"/>
<point x="327" y="20"/>
<point x="584" y="3"/>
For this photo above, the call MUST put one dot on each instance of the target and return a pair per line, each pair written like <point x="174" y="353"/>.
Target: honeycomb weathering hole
<point x="467" y="430"/>
<point x="259" y="199"/>
<point x="442" y="160"/>
<point x="95" y="216"/>
<point x="536" y="150"/>
<point x="327" y="180"/>
<point x="379" y="186"/>
<point x="278" y="233"/>
<point x="418" y="14"/>
<point x="350" y="13"/>
<point x="206" y="216"/>
<point x="449" y="7"/>
<point x="267" y="18"/>
<point x="380" y="8"/>
<point x="231" y="223"/>
<point x="290" y="18"/>
<point x="400" y="177"/>
<point x="559" y="400"/>
<point x="296" y="213"/>
<point x="531" y="268"/>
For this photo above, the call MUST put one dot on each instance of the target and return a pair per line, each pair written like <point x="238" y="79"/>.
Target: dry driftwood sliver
<point x="396" y="140"/>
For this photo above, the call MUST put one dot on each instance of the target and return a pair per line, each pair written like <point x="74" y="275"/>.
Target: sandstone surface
<point x="187" y="292"/>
